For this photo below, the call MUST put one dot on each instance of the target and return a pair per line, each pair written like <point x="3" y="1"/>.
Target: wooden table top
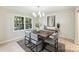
<point x="44" y="34"/>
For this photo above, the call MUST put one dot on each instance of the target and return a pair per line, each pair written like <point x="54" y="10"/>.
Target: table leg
<point x="56" y="45"/>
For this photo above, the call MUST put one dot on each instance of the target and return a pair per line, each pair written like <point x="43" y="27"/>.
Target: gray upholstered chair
<point x="36" y="41"/>
<point x="53" y="41"/>
<point x="27" y="38"/>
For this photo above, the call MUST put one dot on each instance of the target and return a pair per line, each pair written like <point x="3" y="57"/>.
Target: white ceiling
<point x="30" y="9"/>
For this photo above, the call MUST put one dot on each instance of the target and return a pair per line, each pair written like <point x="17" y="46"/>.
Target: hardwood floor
<point x="14" y="47"/>
<point x="69" y="46"/>
<point x="11" y="47"/>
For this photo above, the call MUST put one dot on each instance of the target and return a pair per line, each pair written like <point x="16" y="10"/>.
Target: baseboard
<point x="71" y="40"/>
<point x="2" y="42"/>
<point x="18" y="38"/>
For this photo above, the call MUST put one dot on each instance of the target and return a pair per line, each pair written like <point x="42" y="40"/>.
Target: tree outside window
<point x="28" y="23"/>
<point x="18" y="23"/>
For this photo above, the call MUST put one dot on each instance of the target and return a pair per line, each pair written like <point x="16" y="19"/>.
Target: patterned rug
<point x="61" y="47"/>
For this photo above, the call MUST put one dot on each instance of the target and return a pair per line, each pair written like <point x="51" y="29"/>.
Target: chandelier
<point x="38" y="12"/>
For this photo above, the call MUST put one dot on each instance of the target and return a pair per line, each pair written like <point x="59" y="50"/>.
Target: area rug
<point x="61" y="47"/>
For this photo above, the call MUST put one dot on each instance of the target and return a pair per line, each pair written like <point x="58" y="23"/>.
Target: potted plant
<point x="58" y="25"/>
<point x="37" y="25"/>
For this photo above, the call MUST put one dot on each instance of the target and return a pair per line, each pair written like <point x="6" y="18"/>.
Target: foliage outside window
<point x="18" y="23"/>
<point x="28" y="23"/>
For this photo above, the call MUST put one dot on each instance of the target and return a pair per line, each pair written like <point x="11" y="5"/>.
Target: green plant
<point x="37" y="25"/>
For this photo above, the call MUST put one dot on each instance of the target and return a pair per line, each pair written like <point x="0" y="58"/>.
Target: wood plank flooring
<point x="14" y="47"/>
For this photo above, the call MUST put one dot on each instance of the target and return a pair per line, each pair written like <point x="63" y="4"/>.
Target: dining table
<point x="43" y="35"/>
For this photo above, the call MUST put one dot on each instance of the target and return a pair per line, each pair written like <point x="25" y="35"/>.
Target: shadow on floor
<point x="61" y="47"/>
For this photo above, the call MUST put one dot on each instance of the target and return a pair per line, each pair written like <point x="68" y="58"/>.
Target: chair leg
<point x="32" y="50"/>
<point x="36" y="49"/>
<point x="56" y="47"/>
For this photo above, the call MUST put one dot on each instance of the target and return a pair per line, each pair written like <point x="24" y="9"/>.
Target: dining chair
<point x="27" y="38"/>
<point x="36" y="41"/>
<point x="52" y="41"/>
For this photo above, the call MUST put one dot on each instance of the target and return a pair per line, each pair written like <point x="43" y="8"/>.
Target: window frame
<point x="23" y="23"/>
<point x="31" y="23"/>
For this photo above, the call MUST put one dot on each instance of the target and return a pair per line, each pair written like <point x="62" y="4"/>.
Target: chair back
<point x="27" y="35"/>
<point x="54" y="37"/>
<point x="34" y="36"/>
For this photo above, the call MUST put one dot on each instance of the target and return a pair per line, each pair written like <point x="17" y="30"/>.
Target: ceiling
<point x="30" y="9"/>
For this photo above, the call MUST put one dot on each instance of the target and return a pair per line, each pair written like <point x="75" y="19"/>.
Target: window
<point x="18" y="23"/>
<point x="28" y="23"/>
<point x="21" y="23"/>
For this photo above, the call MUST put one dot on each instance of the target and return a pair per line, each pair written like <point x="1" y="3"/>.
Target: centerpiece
<point x="37" y="25"/>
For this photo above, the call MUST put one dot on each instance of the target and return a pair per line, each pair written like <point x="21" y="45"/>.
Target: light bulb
<point x="34" y="14"/>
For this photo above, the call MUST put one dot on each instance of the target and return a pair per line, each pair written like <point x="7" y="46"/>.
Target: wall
<point x="7" y="25"/>
<point x="77" y="25"/>
<point x="2" y="25"/>
<point x="66" y="18"/>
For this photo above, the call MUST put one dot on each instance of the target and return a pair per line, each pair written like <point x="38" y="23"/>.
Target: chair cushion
<point x="35" y="39"/>
<point x="55" y="34"/>
<point x="51" y="37"/>
<point x="50" y="41"/>
<point x="36" y="42"/>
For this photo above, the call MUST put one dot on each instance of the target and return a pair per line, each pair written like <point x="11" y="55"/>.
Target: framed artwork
<point x="51" y="21"/>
